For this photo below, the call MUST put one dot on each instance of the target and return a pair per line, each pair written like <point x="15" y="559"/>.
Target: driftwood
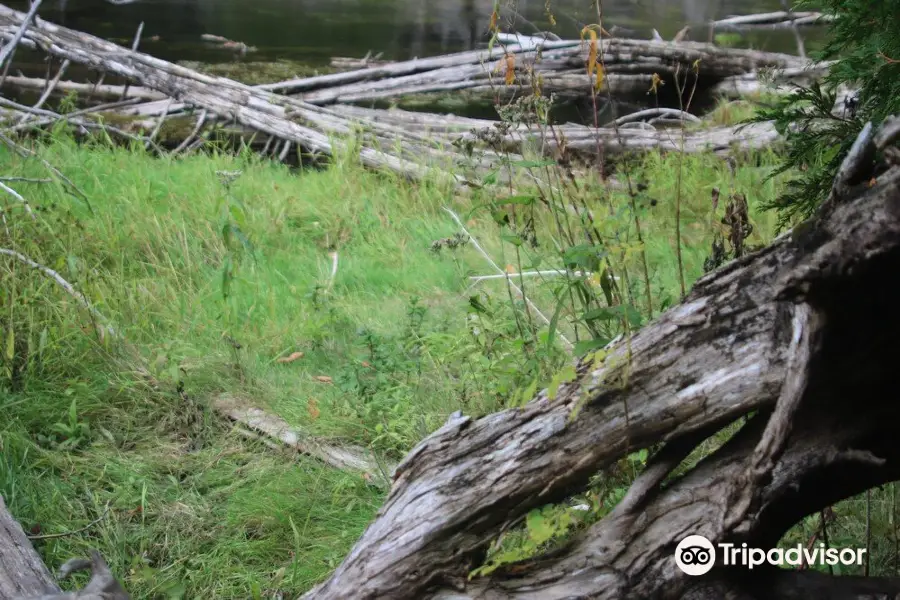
<point x="22" y="572"/>
<point x="800" y="334"/>
<point x="346" y="63"/>
<point x="103" y="91"/>
<point x="24" y="576"/>
<point x="779" y="81"/>
<point x="625" y="62"/>
<point x="773" y="20"/>
<point x="577" y="138"/>
<point x="273" y="427"/>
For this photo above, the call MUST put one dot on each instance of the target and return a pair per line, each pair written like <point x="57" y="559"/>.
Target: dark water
<point x="314" y="30"/>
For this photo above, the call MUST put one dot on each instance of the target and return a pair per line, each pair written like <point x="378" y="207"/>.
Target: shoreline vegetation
<point x="274" y="294"/>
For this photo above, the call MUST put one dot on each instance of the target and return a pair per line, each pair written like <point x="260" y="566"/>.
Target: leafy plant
<point x="71" y="433"/>
<point x="865" y="45"/>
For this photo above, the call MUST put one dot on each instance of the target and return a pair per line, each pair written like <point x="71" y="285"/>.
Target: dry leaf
<point x="367" y="477"/>
<point x="289" y="359"/>
<point x="594" y="68"/>
<point x="324" y="379"/>
<point x="494" y="17"/>
<point x="366" y="363"/>
<point x="511" y="269"/>
<point x="510" y="69"/>
<point x="313" y="407"/>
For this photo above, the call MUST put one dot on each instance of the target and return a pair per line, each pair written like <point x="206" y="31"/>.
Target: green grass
<point x="195" y="509"/>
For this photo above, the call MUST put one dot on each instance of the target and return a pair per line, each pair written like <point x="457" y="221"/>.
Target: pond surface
<point x="312" y="31"/>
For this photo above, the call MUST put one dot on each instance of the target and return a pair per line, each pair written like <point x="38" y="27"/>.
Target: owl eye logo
<point x="695" y="555"/>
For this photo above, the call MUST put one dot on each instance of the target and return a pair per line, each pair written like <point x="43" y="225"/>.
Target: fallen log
<point x="622" y="58"/>
<point x="22" y="572"/>
<point x="102" y="91"/>
<point x="583" y="140"/>
<point x="776" y="82"/>
<point x="796" y="335"/>
<point x="347" y="458"/>
<point x="347" y="63"/>
<point x="773" y="20"/>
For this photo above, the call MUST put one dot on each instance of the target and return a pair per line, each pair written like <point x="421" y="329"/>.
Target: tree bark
<point x="800" y="333"/>
<point x="22" y="572"/>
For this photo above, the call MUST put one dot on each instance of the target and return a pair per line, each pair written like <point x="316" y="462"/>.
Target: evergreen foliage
<point x="865" y="45"/>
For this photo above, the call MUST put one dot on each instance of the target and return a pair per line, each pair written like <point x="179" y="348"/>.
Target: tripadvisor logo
<point x="696" y="555"/>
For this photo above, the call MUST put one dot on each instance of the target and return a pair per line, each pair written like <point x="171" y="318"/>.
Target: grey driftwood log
<point x="800" y="333"/>
<point x="22" y="572"/>
<point x="23" y="575"/>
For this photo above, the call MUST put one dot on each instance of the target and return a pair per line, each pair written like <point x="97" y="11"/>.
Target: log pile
<point x="311" y="114"/>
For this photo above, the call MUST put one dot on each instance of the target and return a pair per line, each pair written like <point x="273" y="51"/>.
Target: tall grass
<point x="195" y="510"/>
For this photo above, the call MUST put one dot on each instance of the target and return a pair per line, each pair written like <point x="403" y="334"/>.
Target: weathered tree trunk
<point x="22" y="572"/>
<point x="801" y="334"/>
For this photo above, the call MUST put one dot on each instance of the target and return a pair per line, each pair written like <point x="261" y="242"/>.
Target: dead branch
<point x="780" y="332"/>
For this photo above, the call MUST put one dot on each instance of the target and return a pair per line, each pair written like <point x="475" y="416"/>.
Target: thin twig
<point x="26" y="153"/>
<point x="284" y="151"/>
<point x="186" y="142"/>
<point x="50" y="117"/>
<point x="27" y="179"/>
<point x="49" y="90"/>
<point x="159" y="124"/>
<point x="801" y="48"/>
<point x="10" y="48"/>
<point x="50" y="536"/>
<point x="134" y="47"/>
<point x="546" y="273"/>
<point x="267" y="144"/>
<point x="97" y="85"/>
<point x="18" y="197"/>
<point x="496" y="267"/>
<point x="68" y="287"/>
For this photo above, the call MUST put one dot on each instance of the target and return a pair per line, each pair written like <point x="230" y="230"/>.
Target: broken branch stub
<point x="795" y="333"/>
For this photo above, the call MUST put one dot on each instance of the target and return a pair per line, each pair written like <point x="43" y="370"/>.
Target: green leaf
<point x="615" y="313"/>
<point x="585" y="346"/>
<point x="490" y="178"/>
<point x="237" y="214"/>
<point x="243" y="239"/>
<point x="584" y="256"/>
<point x="476" y="305"/>
<point x="566" y="375"/>
<point x="528" y="393"/>
<point x="226" y="276"/>
<point x="539" y="529"/>
<point x="554" y="321"/>
<point x="73" y="411"/>
<point x="514" y="239"/>
<point x="501" y="217"/>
